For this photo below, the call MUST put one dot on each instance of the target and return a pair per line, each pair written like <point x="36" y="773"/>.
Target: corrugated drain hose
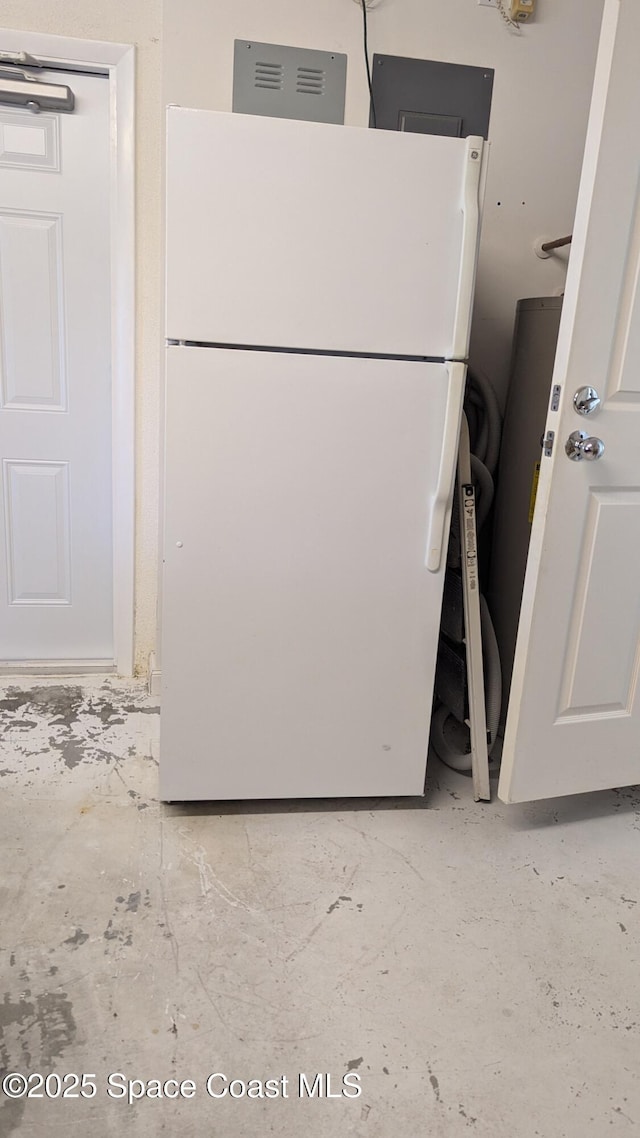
<point x="450" y="739"/>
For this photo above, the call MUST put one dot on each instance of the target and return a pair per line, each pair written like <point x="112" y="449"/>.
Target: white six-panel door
<point x="56" y="576"/>
<point x="574" y="714"/>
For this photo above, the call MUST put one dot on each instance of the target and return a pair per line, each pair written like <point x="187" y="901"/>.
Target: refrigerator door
<point x="300" y="620"/>
<point x="290" y="234"/>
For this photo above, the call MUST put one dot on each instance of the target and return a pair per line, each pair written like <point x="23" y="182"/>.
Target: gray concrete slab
<point x="475" y="965"/>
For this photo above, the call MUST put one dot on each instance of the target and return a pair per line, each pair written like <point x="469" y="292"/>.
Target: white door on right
<point x="573" y="723"/>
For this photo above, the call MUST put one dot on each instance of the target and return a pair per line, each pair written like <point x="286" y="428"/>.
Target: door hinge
<point x="547" y="444"/>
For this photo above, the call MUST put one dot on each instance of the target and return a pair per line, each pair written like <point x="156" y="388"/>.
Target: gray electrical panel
<point x="429" y="97"/>
<point x="289" y="82"/>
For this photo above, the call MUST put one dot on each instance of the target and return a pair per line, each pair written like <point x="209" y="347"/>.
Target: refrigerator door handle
<point x="438" y="530"/>
<point x="472" y="188"/>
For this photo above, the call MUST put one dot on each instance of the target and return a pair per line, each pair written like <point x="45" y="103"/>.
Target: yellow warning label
<point x="534" y="491"/>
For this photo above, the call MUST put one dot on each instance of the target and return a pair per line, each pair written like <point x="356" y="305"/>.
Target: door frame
<point x="117" y="61"/>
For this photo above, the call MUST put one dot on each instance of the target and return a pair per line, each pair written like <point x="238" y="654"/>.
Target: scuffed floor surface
<point x="476" y="966"/>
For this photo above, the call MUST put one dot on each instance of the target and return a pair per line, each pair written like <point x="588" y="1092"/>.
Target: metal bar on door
<point x="472" y="624"/>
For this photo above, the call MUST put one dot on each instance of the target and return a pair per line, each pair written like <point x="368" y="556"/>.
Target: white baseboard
<point x="155" y="675"/>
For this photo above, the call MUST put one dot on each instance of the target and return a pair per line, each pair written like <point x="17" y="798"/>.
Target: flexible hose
<point x="481" y="447"/>
<point x="484" y="483"/>
<point x="479" y="430"/>
<point x="492" y="410"/>
<point x="471" y="411"/>
<point x="450" y="739"/>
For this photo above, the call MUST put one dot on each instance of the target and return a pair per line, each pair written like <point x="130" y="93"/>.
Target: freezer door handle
<point x="472" y="189"/>
<point x="437" y="534"/>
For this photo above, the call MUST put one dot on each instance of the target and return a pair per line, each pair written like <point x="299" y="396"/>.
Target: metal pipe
<point x="547" y="246"/>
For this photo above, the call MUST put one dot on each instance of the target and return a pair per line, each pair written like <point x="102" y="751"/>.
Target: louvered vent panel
<point x="310" y="81"/>
<point x="271" y="79"/>
<point x="269" y="76"/>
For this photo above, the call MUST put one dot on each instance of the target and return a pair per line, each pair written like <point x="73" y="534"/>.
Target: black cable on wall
<point x="366" y="59"/>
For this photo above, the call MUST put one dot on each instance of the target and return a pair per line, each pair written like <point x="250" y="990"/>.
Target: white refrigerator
<point x="319" y="282"/>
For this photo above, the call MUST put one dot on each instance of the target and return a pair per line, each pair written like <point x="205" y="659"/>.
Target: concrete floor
<point x="476" y="966"/>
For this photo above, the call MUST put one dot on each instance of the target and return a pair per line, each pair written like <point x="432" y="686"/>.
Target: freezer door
<point x="300" y="620"/>
<point x="314" y="236"/>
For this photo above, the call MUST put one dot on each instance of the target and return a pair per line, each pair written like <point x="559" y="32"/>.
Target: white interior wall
<point x="540" y="106"/>
<point x="137" y="22"/>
